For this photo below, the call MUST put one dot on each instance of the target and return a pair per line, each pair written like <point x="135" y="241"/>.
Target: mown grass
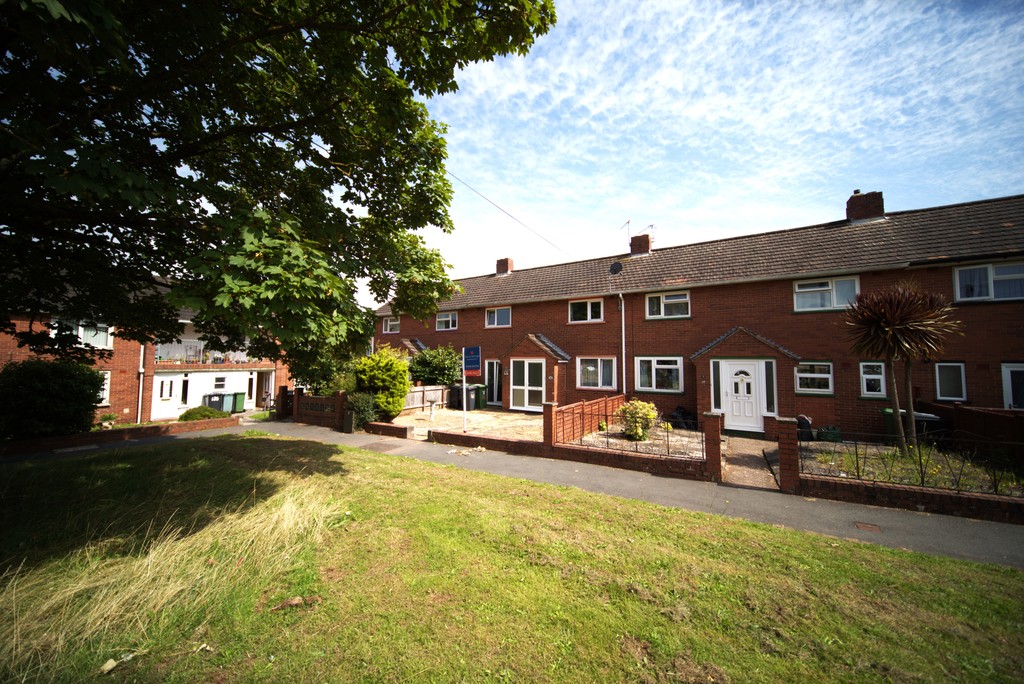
<point x="172" y="560"/>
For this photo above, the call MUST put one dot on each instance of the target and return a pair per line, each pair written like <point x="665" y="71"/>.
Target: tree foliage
<point x="900" y="323"/>
<point x="47" y="398"/>
<point x="438" y="366"/>
<point x="248" y="162"/>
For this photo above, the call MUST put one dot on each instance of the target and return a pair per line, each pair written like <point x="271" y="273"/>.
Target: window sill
<point x="585" y="322"/>
<point x="865" y="397"/>
<point x="815" y="394"/>
<point x="667" y="318"/>
<point x="595" y="389"/>
<point x="639" y="390"/>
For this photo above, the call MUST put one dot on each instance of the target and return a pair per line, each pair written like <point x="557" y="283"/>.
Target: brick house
<point x="146" y="382"/>
<point x="751" y="326"/>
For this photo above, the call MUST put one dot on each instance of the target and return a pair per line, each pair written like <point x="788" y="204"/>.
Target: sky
<point x="696" y="121"/>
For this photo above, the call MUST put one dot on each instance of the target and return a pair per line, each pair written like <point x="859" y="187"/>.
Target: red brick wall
<point x="123" y="366"/>
<point x="993" y="334"/>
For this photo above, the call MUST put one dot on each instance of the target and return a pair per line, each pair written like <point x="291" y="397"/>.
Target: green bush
<point x="202" y="413"/>
<point x="385" y="374"/>
<point x="47" y="398"/>
<point x="637" y="419"/>
<point x="440" y="366"/>
<point x="365" y="408"/>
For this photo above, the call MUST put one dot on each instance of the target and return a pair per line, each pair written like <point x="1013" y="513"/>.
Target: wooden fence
<point x="574" y="421"/>
<point x="425" y="396"/>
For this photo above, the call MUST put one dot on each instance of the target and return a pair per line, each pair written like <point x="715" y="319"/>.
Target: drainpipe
<point x="142" y="381"/>
<point x="622" y="316"/>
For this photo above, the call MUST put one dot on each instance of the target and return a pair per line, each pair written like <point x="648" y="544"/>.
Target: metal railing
<point x="946" y="460"/>
<point x="196" y="351"/>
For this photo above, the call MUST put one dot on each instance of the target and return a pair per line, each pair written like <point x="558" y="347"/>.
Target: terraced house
<point x="748" y="327"/>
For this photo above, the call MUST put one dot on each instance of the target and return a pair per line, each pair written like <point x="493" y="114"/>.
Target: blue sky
<point x="709" y="120"/>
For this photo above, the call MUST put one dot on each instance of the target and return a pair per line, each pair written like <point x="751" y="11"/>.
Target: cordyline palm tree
<point x="900" y="323"/>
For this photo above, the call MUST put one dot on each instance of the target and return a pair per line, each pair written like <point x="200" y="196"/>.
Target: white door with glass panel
<point x="1013" y="385"/>
<point x="528" y="384"/>
<point x="741" y="396"/>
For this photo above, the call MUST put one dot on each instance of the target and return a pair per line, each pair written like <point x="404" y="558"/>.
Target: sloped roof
<point x="986" y="229"/>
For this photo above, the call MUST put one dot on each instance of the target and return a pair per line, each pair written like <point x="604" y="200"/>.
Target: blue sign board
<point x="471" y="361"/>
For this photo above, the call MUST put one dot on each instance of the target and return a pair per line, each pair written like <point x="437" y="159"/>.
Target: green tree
<point x="47" y="398"/>
<point x="385" y="374"/>
<point x="438" y="366"/>
<point x="900" y="323"/>
<point x="250" y="162"/>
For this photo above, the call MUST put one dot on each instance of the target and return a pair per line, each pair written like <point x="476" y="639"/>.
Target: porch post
<point x="713" y="445"/>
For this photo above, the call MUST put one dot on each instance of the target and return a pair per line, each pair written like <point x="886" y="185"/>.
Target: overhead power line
<point x="496" y="206"/>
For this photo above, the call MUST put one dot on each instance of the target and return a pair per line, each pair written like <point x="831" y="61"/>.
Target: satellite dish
<point x="615" y="268"/>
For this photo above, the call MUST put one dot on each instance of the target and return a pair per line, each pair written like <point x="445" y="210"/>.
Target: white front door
<point x="528" y="384"/>
<point x="741" y="396"/>
<point x="1013" y="385"/>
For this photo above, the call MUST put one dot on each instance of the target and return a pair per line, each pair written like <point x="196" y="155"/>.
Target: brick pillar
<point x="282" y="396"/>
<point x="549" y="423"/>
<point x="295" y="402"/>
<point x="339" y="409"/>
<point x="713" y="445"/>
<point x="789" y="455"/>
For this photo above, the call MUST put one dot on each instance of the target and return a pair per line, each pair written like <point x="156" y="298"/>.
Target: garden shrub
<point x="385" y="374"/>
<point x="637" y="419"/>
<point x="364" y="407"/>
<point x="47" y="398"/>
<point x="202" y="413"/>
<point x="439" y="366"/>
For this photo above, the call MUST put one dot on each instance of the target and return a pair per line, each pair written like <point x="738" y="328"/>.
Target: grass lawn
<point x="265" y="559"/>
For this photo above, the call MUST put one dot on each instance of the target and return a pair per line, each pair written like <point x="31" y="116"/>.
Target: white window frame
<point x="450" y="321"/>
<point x="492" y="313"/>
<point x="990" y="281"/>
<point x="823" y="285"/>
<point x="865" y="376"/>
<point x="665" y="362"/>
<point x="682" y="296"/>
<point x="590" y="317"/>
<point x="601" y="360"/>
<point x="392" y="325"/>
<point x="220" y="382"/>
<point x="104" y="395"/>
<point x="79" y="328"/>
<point x="814" y="390"/>
<point x="963" y="381"/>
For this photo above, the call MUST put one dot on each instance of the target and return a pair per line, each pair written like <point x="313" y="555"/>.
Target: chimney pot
<point x="640" y="244"/>
<point x="865" y="206"/>
<point x="504" y="267"/>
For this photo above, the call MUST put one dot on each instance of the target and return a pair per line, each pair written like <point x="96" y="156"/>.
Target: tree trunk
<point x="894" y="399"/>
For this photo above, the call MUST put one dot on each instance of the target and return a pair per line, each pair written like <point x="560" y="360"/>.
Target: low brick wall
<point x="389" y="430"/>
<point x="926" y="499"/>
<point x="112" y="436"/>
<point x="656" y="465"/>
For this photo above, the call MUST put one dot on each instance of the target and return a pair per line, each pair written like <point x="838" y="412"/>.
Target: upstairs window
<point x="826" y="294"/>
<point x="990" y="281"/>
<point x="500" y="317"/>
<point x="814" y="377"/>
<point x="668" y="305"/>
<point x="97" y="335"/>
<point x="392" y="325"/>
<point x="586" y="311"/>
<point x="447" y="321"/>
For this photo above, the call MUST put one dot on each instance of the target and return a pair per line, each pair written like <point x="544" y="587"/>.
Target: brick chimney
<point x="504" y="267"/>
<point x="865" y="207"/>
<point x="640" y="245"/>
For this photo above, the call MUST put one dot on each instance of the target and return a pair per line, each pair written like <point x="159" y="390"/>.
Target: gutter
<point x="142" y="381"/>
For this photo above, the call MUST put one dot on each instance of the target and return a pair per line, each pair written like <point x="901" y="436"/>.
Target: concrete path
<point x="977" y="540"/>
